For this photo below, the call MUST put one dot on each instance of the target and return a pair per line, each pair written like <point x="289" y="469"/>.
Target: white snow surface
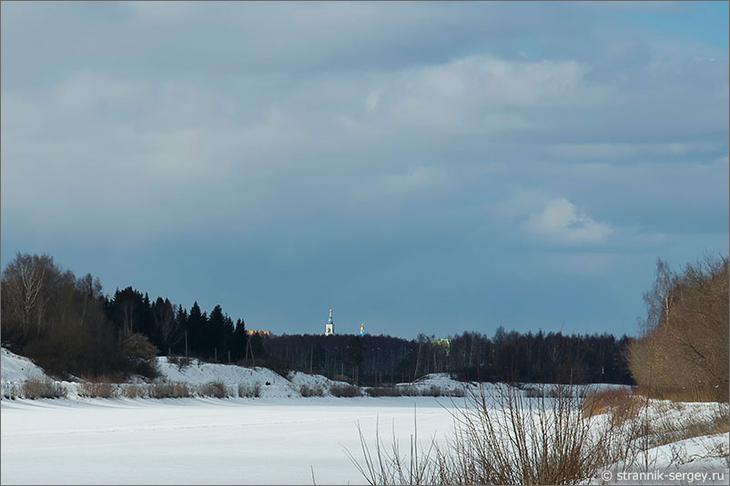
<point x="440" y="380"/>
<point x="202" y="441"/>
<point x="272" y="385"/>
<point x="280" y="438"/>
<point x="299" y="379"/>
<point x="16" y="369"/>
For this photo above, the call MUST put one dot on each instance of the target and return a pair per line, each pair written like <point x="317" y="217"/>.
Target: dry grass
<point x="504" y="438"/>
<point x="169" y="390"/>
<point x="345" y="391"/>
<point x="216" y="389"/>
<point x="311" y="391"/>
<point x="622" y="404"/>
<point x="385" y="391"/>
<point x="664" y="429"/>
<point x="412" y="391"/>
<point x="45" y="388"/>
<point x="97" y="390"/>
<point x="246" y="390"/>
<point x="685" y="394"/>
<point x="133" y="391"/>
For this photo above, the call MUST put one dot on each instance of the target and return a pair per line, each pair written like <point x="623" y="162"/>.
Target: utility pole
<point x="249" y="349"/>
<point x="229" y="356"/>
<point x="186" y="344"/>
<point x="215" y="354"/>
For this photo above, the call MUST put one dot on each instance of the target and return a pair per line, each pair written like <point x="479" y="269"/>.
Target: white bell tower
<point x="329" y="328"/>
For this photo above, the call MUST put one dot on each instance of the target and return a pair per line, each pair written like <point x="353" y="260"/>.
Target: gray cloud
<point x="422" y="152"/>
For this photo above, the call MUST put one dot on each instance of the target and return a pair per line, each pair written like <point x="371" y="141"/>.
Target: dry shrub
<point x="412" y="391"/>
<point x="682" y="354"/>
<point x="10" y="391"/>
<point x="684" y="393"/>
<point x="133" y="391"/>
<point x="345" y="391"/>
<point x="384" y="391"/>
<point x="216" y="389"/>
<point x="621" y="403"/>
<point x="169" y="390"/>
<point x="311" y="391"/>
<point x="503" y="438"/>
<point x="42" y="388"/>
<point x="246" y="390"/>
<point x="97" y="390"/>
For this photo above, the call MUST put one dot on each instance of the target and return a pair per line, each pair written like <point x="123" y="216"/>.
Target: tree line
<point x="70" y="327"/>
<point x="507" y="356"/>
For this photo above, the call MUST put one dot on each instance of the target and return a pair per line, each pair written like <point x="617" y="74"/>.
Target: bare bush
<point x="345" y="391"/>
<point x="503" y="438"/>
<point x="412" y="391"/>
<point x="97" y="390"/>
<point x="133" y="391"/>
<point x="247" y="390"/>
<point x="216" y="389"/>
<point x="42" y="388"/>
<point x="169" y="390"/>
<point x="384" y="391"/>
<point x="311" y="391"/>
<point x="621" y="404"/>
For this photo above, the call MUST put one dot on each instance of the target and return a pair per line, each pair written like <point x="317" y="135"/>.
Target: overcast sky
<point x="422" y="167"/>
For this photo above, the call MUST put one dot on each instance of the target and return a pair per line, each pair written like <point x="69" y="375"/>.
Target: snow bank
<point x="442" y="381"/>
<point x="299" y="379"/>
<point x="537" y="389"/>
<point x="271" y="384"/>
<point x="16" y="369"/>
<point x="705" y="453"/>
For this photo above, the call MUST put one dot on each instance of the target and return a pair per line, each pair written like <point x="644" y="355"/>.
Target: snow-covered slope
<point x="271" y="384"/>
<point x="299" y="379"/>
<point x="16" y="369"/>
<point x="441" y="381"/>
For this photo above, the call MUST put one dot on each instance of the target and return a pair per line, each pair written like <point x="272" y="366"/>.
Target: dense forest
<point x="70" y="327"/>
<point x="507" y="356"/>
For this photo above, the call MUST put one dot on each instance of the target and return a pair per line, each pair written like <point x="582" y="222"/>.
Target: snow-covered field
<point x="279" y="438"/>
<point x="186" y="441"/>
<point x="235" y="441"/>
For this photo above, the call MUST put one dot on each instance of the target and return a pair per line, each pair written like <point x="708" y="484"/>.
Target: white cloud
<point x="560" y="221"/>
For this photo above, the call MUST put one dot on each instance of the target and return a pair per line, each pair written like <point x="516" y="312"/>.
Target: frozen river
<point x="193" y="441"/>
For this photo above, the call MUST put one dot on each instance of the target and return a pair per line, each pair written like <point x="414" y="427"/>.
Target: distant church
<point x="329" y="328"/>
